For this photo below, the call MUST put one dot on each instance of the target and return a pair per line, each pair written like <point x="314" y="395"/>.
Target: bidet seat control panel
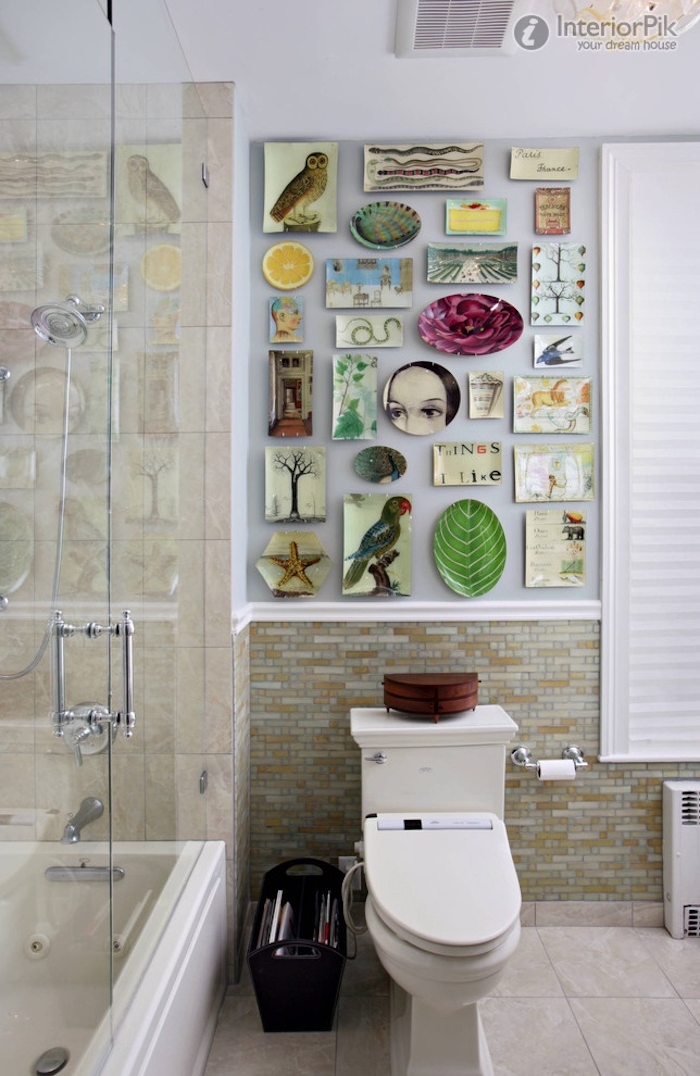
<point x="441" y="821"/>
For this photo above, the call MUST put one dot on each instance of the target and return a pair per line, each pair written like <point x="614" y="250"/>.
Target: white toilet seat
<point x="447" y="889"/>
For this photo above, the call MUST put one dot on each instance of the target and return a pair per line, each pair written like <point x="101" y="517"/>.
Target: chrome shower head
<point x="65" y="324"/>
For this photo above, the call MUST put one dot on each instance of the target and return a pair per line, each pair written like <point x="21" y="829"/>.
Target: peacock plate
<point x="470" y="324"/>
<point x="470" y="548"/>
<point x="385" y="225"/>
<point x="379" y="464"/>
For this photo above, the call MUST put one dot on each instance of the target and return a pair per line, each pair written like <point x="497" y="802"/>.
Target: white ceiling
<point x="326" y="68"/>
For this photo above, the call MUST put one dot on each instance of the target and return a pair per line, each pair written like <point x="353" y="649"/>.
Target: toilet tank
<point x="415" y="764"/>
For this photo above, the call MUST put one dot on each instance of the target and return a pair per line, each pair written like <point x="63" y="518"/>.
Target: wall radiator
<point x="681" y="858"/>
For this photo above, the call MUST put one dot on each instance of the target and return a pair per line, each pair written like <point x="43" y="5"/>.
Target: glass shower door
<point x="59" y="651"/>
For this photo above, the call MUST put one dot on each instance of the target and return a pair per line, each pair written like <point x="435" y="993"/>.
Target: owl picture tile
<point x="148" y="184"/>
<point x="301" y="187"/>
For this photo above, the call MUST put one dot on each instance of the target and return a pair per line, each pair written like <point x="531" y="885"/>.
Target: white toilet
<point x="443" y="903"/>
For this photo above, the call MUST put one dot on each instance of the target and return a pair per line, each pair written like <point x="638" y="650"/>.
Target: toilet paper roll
<point x="556" y="769"/>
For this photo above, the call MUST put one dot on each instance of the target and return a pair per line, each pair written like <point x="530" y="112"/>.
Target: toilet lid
<point x="446" y="878"/>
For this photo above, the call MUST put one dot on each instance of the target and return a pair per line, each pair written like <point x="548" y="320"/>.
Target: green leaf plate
<point x="470" y="548"/>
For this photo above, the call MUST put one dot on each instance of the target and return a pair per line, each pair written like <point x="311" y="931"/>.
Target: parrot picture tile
<point x="376" y="545"/>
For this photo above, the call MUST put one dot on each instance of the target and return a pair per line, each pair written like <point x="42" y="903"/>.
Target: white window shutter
<point x="651" y="389"/>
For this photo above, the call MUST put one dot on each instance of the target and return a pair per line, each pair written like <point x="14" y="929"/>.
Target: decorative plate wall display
<point x="470" y="548"/>
<point x="380" y="464"/>
<point x="161" y="267"/>
<point x="287" y="265"/>
<point x="421" y="398"/>
<point x="16" y="548"/>
<point x="294" y="564"/>
<point x="37" y="402"/>
<point x="431" y="167"/>
<point x="301" y="187"/>
<point x="558" y="284"/>
<point x="14" y="315"/>
<point x="368" y="330"/>
<point x="470" y="324"/>
<point x="82" y="231"/>
<point x="475" y="218"/>
<point x="369" y="282"/>
<point x="385" y="225"/>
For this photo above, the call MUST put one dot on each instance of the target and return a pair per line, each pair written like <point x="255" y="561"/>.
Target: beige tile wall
<point x="598" y="838"/>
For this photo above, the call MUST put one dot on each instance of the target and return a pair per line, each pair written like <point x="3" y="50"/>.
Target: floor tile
<point x="693" y="1007"/>
<point x="529" y="973"/>
<point x="604" y="962"/>
<point x="679" y="959"/>
<point x="640" y="1036"/>
<point x="363" y="1036"/>
<point x="574" y="1001"/>
<point x="535" y="1037"/>
<point x="364" y="975"/>
<point x="240" y="1045"/>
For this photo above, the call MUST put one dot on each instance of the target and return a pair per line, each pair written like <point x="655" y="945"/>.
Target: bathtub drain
<point x="51" y="1061"/>
<point x="37" y="946"/>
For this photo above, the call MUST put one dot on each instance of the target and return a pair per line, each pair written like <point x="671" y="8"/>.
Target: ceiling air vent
<point x="450" y="28"/>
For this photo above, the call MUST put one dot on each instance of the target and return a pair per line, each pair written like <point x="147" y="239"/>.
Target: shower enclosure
<point x="103" y="245"/>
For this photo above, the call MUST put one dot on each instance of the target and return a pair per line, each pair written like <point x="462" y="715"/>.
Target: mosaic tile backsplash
<point x="598" y="838"/>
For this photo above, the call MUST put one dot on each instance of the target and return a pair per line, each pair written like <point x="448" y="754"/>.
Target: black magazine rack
<point x="296" y="975"/>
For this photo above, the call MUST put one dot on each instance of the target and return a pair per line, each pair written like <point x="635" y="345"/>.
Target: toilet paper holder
<point x="522" y="756"/>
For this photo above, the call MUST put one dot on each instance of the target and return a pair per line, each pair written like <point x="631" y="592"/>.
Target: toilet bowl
<point x="443" y="911"/>
<point x="443" y="903"/>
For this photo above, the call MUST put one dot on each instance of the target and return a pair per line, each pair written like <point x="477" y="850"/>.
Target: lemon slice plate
<point x="161" y="267"/>
<point x="287" y="265"/>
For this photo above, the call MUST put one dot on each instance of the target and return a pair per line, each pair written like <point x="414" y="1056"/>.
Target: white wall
<point x="326" y="68"/>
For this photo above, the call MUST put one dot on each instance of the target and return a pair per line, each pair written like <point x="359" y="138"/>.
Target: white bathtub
<point x="168" y="959"/>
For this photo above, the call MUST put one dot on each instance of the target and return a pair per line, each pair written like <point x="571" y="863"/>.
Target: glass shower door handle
<point x="124" y="630"/>
<point x="79" y="729"/>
